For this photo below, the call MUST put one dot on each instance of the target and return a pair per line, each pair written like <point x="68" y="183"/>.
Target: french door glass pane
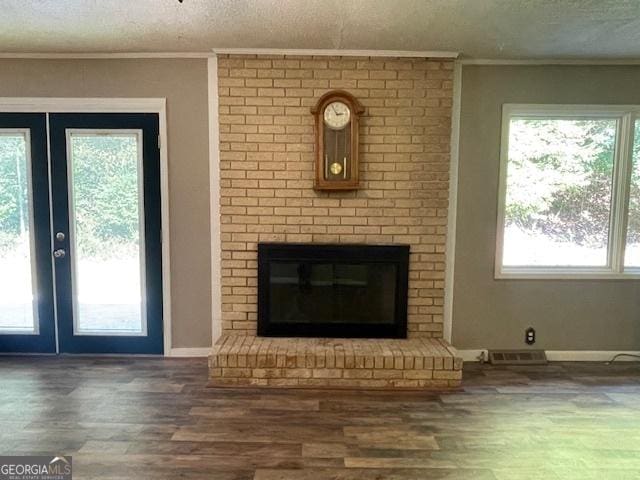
<point x="105" y="186"/>
<point x="558" y="199"/>
<point x="632" y="252"/>
<point x="17" y="312"/>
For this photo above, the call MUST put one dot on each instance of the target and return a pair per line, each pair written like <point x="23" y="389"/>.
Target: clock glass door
<point x="337" y="152"/>
<point x="337" y="142"/>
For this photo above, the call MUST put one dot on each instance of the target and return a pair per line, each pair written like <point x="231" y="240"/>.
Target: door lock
<point x="60" y="253"/>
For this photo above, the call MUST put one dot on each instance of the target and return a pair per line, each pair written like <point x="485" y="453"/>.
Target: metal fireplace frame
<point x="347" y="253"/>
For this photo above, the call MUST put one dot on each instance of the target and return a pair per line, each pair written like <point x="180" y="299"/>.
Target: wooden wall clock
<point x="337" y="114"/>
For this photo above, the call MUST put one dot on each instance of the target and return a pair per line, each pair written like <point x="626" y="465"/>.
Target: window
<point x="17" y="266"/>
<point x="569" y="200"/>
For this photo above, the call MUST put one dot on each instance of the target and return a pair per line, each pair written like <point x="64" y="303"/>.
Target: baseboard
<point x="473" y="355"/>
<point x="190" y="352"/>
<point x="589" y="355"/>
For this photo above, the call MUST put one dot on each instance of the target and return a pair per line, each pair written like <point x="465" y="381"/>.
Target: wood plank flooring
<point x="149" y="418"/>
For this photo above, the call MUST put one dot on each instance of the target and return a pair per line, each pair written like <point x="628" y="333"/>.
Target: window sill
<point x="565" y="274"/>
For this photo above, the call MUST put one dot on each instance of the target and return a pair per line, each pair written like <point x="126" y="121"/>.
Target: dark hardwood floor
<point x="155" y="419"/>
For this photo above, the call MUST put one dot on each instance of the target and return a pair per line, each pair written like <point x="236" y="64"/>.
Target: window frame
<point x="625" y="116"/>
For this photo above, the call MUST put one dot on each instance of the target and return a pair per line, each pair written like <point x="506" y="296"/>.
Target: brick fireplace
<point x="267" y="175"/>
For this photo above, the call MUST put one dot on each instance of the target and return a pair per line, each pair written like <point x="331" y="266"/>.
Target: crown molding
<point x="550" y="61"/>
<point x="316" y="52"/>
<point x="337" y="52"/>
<point x="78" y="104"/>
<point x="104" y="55"/>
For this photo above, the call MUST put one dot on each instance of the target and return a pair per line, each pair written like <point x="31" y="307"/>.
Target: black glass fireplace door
<point x="332" y="290"/>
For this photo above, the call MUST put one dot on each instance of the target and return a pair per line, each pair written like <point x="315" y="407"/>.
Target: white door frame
<point x="119" y="105"/>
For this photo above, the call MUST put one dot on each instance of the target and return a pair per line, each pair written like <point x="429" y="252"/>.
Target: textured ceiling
<point x="476" y="28"/>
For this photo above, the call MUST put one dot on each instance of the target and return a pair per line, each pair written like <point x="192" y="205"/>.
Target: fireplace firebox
<point x="327" y="290"/>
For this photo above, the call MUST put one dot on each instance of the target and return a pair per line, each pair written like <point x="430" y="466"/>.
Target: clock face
<point x="337" y="115"/>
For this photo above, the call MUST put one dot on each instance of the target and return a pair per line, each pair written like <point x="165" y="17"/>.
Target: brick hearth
<point x="320" y="362"/>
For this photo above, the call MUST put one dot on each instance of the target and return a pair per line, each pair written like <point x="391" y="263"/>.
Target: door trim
<point x="119" y="105"/>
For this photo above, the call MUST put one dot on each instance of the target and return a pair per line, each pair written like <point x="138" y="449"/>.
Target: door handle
<point x="59" y="253"/>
